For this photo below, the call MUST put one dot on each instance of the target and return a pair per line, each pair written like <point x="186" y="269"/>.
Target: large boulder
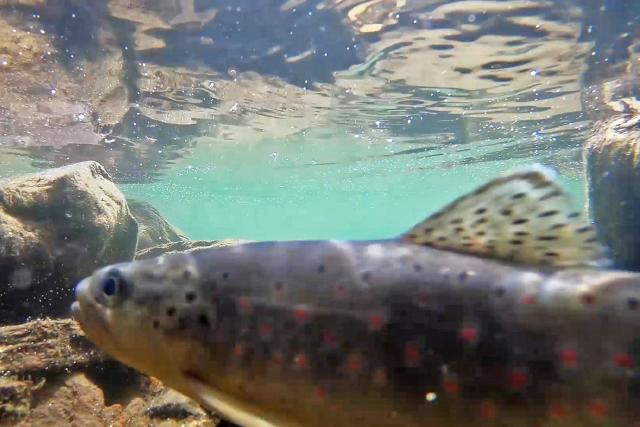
<point x="612" y="157"/>
<point x="153" y="229"/>
<point x="56" y="227"/>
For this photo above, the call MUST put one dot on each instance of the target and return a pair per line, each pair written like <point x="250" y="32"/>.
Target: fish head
<point x="136" y="312"/>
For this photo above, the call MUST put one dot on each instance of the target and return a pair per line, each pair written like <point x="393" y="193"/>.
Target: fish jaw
<point x="92" y="316"/>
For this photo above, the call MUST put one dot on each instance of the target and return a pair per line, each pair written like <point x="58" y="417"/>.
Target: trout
<point x="499" y="310"/>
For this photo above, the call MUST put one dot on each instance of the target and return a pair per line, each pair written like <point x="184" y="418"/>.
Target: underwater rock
<point x="69" y="379"/>
<point x="45" y="345"/>
<point x="612" y="158"/>
<point x="184" y="245"/>
<point x="171" y="404"/>
<point x="153" y="229"/>
<point x="15" y="399"/>
<point x="76" y="401"/>
<point x="56" y="227"/>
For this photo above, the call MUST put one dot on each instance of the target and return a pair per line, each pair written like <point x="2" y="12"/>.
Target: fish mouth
<point x="90" y="314"/>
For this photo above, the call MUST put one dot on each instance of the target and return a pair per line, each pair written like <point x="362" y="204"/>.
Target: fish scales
<point x="389" y="332"/>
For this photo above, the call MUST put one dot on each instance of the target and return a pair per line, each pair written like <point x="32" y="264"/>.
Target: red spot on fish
<point x="376" y="322"/>
<point x="411" y="354"/>
<point x="301" y="314"/>
<point x="423" y="299"/>
<point x="469" y="334"/>
<point x="244" y="305"/>
<point x="558" y="411"/>
<point x="380" y="377"/>
<point x="329" y="338"/>
<point x="265" y="330"/>
<point x="623" y="360"/>
<point x="321" y="392"/>
<point x="518" y="379"/>
<point x="450" y="384"/>
<point x="353" y="363"/>
<point x="300" y="361"/>
<point x="568" y="357"/>
<point x="598" y="409"/>
<point x="487" y="409"/>
<point x="239" y="350"/>
<point x="529" y="300"/>
<point x="277" y="360"/>
<point x="587" y="299"/>
<point x="341" y="290"/>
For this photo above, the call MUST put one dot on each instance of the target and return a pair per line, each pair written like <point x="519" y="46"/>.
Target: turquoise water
<point x="349" y="120"/>
<point x="316" y="187"/>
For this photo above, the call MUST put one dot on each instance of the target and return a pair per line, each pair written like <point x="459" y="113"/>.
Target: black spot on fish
<point x="458" y="230"/>
<point x="541" y="185"/>
<point x="547" y="238"/>
<point x="148" y="276"/>
<point x="225" y="275"/>
<point x="515" y="242"/>
<point x="521" y="233"/>
<point x="481" y="233"/>
<point x="186" y="274"/>
<point x="551" y="254"/>
<point x="190" y="296"/>
<point x="551" y="194"/>
<point x="573" y="215"/>
<point x="518" y="196"/>
<point x="171" y="311"/>
<point x="156" y="324"/>
<point x="479" y="221"/>
<point x="456" y="221"/>
<point x="480" y="211"/>
<point x="506" y="212"/>
<point x="519" y="221"/>
<point x="588" y="299"/>
<point x="428" y="230"/>
<point x="499" y="292"/>
<point x="591" y="240"/>
<point x="463" y="275"/>
<point x="321" y="268"/>
<point x="203" y="320"/>
<point x="557" y="226"/>
<point x="417" y="267"/>
<point x="442" y="239"/>
<point x="547" y="213"/>
<point x="583" y="229"/>
<point x="633" y="304"/>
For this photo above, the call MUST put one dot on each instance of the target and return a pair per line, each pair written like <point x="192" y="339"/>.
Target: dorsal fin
<point x="524" y="217"/>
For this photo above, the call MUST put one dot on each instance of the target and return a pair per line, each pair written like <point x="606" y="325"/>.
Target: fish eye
<point x="112" y="283"/>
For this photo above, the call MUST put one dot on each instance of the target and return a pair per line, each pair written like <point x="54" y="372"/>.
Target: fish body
<point x="499" y="328"/>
